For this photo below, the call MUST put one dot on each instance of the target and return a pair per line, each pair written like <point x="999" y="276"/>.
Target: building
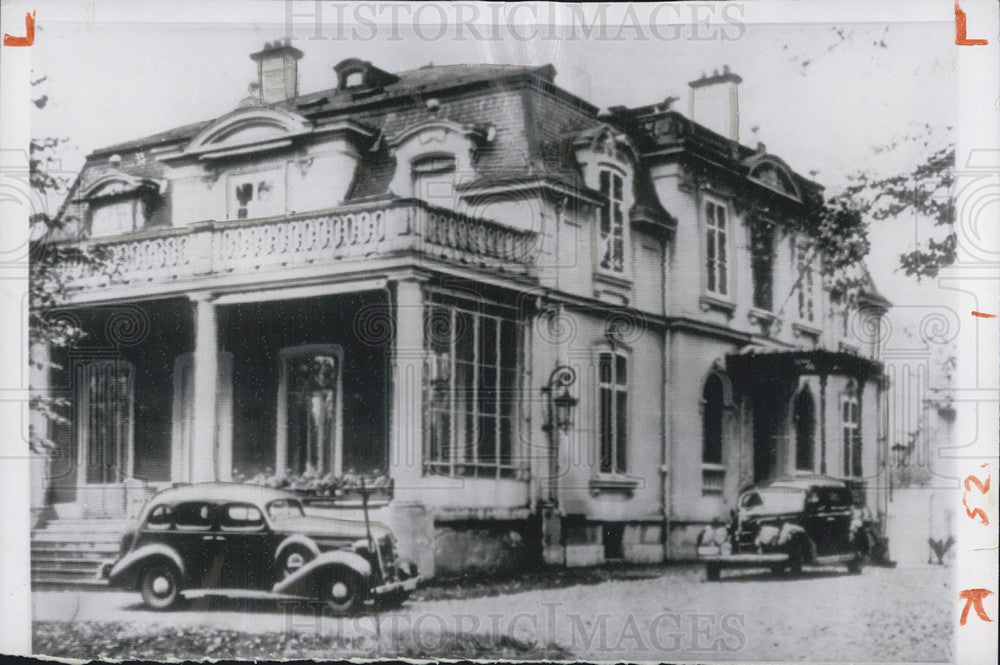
<point x="565" y="336"/>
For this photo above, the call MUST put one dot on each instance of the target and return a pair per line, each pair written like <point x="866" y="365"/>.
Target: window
<point x="256" y="195"/>
<point x="193" y="515"/>
<point x="762" y="264"/>
<point x="802" y="264"/>
<point x="472" y="387"/>
<point x="804" y="416"/>
<point x="310" y="401"/>
<point x="713" y="410"/>
<point x="111" y="217"/>
<point x="852" y="436"/>
<point x="612" y="381"/>
<point x="281" y="509"/>
<point x="434" y="179"/>
<point x="160" y="518"/>
<point x="612" y="222"/>
<point x="716" y="249"/>
<point x="241" y="516"/>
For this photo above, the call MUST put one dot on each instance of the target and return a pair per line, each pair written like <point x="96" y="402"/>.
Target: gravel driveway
<point x="902" y="614"/>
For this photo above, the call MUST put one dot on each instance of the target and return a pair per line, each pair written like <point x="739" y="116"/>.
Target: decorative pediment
<point x="437" y="130"/>
<point x="248" y="130"/>
<point x="120" y="184"/>
<point x="607" y="141"/>
<point x="773" y="173"/>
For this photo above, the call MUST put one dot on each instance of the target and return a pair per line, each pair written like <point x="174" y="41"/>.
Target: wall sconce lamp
<point x="561" y="403"/>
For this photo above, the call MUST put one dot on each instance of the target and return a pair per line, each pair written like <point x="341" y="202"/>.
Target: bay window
<point x="472" y="389"/>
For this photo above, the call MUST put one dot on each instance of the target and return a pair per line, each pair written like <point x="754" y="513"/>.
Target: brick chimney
<point x="714" y="102"/>
<point x="277" y="71"/>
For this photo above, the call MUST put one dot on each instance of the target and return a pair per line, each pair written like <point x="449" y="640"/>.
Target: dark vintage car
<point x="785" y="524"/>
<point x="226" y="538"/>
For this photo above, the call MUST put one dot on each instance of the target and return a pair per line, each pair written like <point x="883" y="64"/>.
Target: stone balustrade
<point x="345" y="234"/>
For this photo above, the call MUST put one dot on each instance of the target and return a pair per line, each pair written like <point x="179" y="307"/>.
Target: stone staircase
<point x="71" y="551"/>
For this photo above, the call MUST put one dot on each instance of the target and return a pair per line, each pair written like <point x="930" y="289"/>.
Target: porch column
<point x="406" y="435"/>
<point x="203" y="458"/>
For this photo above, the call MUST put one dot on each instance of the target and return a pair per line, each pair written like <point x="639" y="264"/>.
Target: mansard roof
<point x="414" y="83"/>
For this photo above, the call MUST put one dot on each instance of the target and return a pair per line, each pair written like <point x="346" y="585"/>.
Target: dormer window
<point x="121" y="203"/>
<point x="434" y="179"/>
<point x="612" y="227"/>
<point x="354" y="80"/>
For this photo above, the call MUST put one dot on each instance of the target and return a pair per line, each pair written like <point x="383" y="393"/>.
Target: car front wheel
<point x="291" y="560"/>
<point x="343" y="591"/>
<point x="160" y="586"/>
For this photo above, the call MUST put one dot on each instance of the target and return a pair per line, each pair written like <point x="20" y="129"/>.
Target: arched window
<point x="713" y="473"/>
<point x="711" y="437"/>
<point x="804" y="417"/>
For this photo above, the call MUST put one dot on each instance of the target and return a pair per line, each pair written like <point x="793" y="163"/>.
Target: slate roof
<point x="413" y="82"/>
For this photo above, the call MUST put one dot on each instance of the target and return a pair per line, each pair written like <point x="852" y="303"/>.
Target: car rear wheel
<point x="343" y="591"/>
<point x="159" y="586"/>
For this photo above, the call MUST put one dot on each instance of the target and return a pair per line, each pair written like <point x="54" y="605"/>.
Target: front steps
<point x="71" y="551"/>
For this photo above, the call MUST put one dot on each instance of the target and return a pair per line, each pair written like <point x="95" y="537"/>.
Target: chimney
<point x="277" y="71"/>
<point x="713" y="101"/>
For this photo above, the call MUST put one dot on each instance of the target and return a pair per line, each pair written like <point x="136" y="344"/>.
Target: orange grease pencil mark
<point x="984" y="315"/>
<point x="960" y="27"/>
<point x="29" y="29"/>
<point x="974" y="598"/>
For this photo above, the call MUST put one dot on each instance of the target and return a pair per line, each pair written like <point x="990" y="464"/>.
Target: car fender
<point x="302" y="581"/>
<point x="296" y="539"/>
<point x="125" y="571"/>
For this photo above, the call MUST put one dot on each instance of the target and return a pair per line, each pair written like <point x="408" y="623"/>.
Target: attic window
<point x="433" y="164"/>
<point x="354" y="80"/>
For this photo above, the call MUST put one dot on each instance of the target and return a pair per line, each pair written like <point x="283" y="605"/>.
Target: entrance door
<point x="766" y="419"/>
<point x="105" y="413"/>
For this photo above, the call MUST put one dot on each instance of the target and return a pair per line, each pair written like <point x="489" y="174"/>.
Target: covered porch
<point x="190" y="389"/>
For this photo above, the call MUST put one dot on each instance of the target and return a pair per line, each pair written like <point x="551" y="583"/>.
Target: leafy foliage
<point x="48" y="263"/>
<point x="315" y="483"/>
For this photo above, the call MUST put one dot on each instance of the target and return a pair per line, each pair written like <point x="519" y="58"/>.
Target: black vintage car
<point x="227" y="538"/>
<point x="788" y="523"/>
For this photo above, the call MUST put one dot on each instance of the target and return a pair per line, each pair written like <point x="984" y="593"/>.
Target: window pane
<point x="710" y="214"/>
<point x="621" y="375"/>
<point x="487" y="439"/>
<point x="720" y="217"/>
<point x="618" y="188"/>
<point x="606" y="431"/>
<point x="604" y="368"/>
<point x="487" y="391"/>
<point x="621" y="432"/>
<point x="464" y="334"/>
<point x="508" y="344"/>
<point x="193" y="515"/>
<point x="506" y="441"/>
<point x="440" y="436"/>
<point x="605" y="183"/>
<point x="488" y="341"/>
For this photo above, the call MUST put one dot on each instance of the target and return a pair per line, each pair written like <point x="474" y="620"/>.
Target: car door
<point x="244" y="546"/>
<point x="195" y="540"/>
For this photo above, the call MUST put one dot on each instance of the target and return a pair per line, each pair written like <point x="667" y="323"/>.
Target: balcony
<point x="348" y="234"/>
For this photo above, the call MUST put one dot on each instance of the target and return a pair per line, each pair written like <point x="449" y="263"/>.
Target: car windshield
<point x="280" y="509"/>
<point x="773" y="501"/>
